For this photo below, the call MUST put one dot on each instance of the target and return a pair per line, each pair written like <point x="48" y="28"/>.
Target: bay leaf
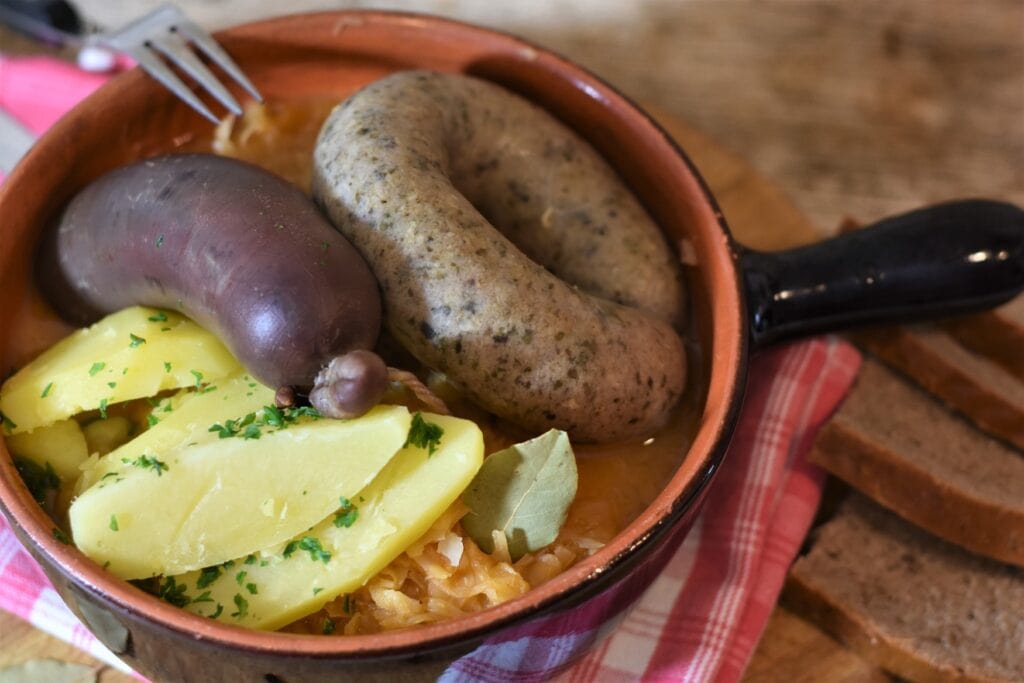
<point x="523" y="491"/>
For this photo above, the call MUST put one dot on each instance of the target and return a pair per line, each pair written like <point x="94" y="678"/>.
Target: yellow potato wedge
<point x="203" y="504"/>
<point x="103" y="435"/>
<point x="271" y="589"/>
<point x="134" y="353"/>
<point x="60" y="444"/>
<point x="185" y="418"/>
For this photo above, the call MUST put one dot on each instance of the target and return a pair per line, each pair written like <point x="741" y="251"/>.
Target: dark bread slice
<point x="899" y="446"/>
<point x="997" y="334"/>
<point x="909" y="602"/>
<point x="981" y="390"/>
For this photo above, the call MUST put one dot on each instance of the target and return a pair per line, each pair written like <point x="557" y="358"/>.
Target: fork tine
<point x="215" y="52"/>
<point x="153" y="65"/>
<point x="177" y="51"/>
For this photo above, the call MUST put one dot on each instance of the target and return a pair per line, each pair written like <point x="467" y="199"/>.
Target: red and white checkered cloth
<point x="703" y="615"/>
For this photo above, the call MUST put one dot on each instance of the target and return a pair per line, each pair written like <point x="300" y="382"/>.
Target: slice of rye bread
<point x="902" y="448"/>
<point x="909" y="602"/>
<point x="984" y="392"/>
<point x="997" y="334"/>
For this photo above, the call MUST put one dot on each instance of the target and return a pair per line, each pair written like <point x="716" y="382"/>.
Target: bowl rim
<point x="583" y="580"/>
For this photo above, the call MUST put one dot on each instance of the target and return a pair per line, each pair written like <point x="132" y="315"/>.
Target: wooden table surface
<point x="850" y="108"/>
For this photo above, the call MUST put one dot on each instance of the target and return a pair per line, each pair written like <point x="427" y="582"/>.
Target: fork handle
<point x="54" y="22"/>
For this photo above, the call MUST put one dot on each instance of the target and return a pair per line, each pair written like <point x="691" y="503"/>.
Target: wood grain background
<point x="863" y="108"/>
<point x="860" y="108"/>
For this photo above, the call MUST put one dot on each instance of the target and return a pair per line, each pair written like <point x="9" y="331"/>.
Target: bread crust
<point x="920" y="497"/>
<point x="995" y="411"/>
<point x="856" y="631"/>
<point x="997" y="334"/>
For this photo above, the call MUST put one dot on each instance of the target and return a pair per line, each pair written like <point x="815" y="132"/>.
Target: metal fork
<point x="166" y="34"/>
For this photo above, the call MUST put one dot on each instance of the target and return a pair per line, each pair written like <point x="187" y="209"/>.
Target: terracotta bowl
<point x="305" y="55"/>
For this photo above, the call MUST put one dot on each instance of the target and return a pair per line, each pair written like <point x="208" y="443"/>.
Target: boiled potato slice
<point x="105" y="434"/>
<point x="269" y="590"/>
<point x="185" y="419"/>
<point x="206" y="503"/>
<point x="134" y="353"/>
<point x="60" y="444"/>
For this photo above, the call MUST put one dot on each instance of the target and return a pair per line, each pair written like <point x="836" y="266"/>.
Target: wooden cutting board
<point x="760" y="216"/>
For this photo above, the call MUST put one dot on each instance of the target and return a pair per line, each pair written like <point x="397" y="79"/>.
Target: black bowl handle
<point x="942" y="260"/>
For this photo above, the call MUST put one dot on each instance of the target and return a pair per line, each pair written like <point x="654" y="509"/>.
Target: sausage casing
<point x="526" y="322"/>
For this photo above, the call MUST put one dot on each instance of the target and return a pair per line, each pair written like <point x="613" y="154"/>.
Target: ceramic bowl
<point x="334" y="53"/>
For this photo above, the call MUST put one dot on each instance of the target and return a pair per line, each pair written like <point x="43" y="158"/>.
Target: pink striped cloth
<point x="703" y="615"/>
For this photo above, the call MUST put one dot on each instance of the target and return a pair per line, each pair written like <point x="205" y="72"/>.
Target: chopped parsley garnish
<point x="273" y="417"/>
<point x="203" y="597"/>
<point x="111" y="384"/>
<point x="347" y="514"/>
<point x="103" y="408"/>
<point x="252" y="432"/>
<point x="290" y="548"/>
<point x="164" y="405"/>
<point x="199" y="377"/>
<point x="38" y="479"/>
<point x="173" y="592"/>
<point x="136" y="341"/>
<point x="167" y="366"/>
<point x="8" y="423"/>
<point x="61" y="536"/>
<point x="232" y="427"/>
<point x="243" y="606"/>
<point x="152" y="420"/>
<point x="423" y="434"/>
<point x="224" y="431"/>
<point x="217" y="612"/>
<point x="316" y="589"/>
<point x="96" y="367"/>
<point x="207" y="576"/>
<point x="315" y="550"/>
<point x="147" y="462"/>
<point x="240" y="577"/>
<point x="159" y="241"/>
<point x="251" y="559"/>
<point x="108" y="474"/>
<point x="251" y="587"/>
<point x="251" y="425"/>
<point x="328" y="626"/>
<point x="293" y="414"/>
<point x="113" y="523"/>
<point x="46" y="390"/>
<point x="158" y="317"/>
